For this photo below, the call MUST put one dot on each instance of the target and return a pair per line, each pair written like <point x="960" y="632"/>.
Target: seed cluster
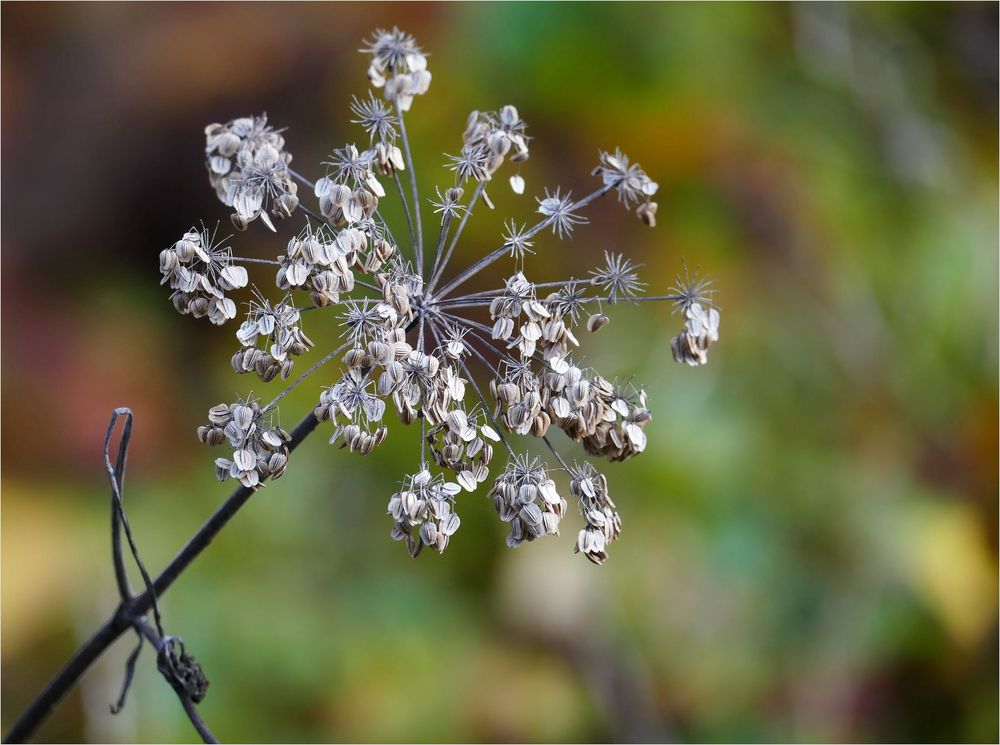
<point x="248" y="166"/>
<point x="398" y="66"/>
<point x="471" y="371"/>
<point x="489" y="138"/>
<point x="524" y="496"/>
<point x="603" y="522"/>
<point x="260" y="451"/>
<point x="422" y="513"/>
<point x="701" y="330"/>
<point x="201" y="273"/>
<point x="279" y="333"/>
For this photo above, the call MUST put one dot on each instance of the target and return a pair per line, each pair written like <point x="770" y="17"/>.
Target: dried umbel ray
<point x="409" y="339"/>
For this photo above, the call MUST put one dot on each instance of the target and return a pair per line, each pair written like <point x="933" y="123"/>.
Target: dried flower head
<point x="260" y="449"/>
<point x="628" y="179"/>
<point x="375" y="117"/>
<point x="200" y="271"/>
<point x="692" y="296"/>
<point x="618" y="277"/>
<point x="524" y="496"/>
<point x="560" y="213"/>
<point x="517" y="240"/>
<point x="248" y="166"/>
<point x="410" y="342"/>
<point x="397" y="65"/>
<point x="423" y="512"/>
<point x="603" y="524"/>
<point x="270" y="337"/>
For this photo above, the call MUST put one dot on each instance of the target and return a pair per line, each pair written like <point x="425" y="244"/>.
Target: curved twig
<point x="124" y="616"/>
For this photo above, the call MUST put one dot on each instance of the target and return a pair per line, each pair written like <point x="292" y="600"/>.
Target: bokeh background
<point x="810" y="545"/>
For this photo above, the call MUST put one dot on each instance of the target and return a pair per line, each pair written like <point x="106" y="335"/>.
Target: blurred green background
<point x="810" y="542"/>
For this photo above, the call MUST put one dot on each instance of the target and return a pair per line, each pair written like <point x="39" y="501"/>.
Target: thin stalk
<point x="439" y="268"/>
<point x="413" y="186"/>
<point x="442" y="236"/>
<point x="423" y="419"/>
<point x="406" y="211"/>
<point x="197" y="721"/>
<point x="302" y="179"/>
<point x="423" y="440"/>
<point x="502" y="290"/>
<point x="248" y="260"/>
<point x="486" y="406"/>
<point x="473" y="302"/>
<point x="642" y="299"/>
<point x="303" y="376"/>
<point x="124" y="616"/>
<point x="555" y="452"/>
<point x="367" y="285"/>
<point x="313" y="215"/>
<point x="498" y="253"/>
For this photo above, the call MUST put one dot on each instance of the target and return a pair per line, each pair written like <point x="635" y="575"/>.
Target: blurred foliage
<point x="810" y="547"/>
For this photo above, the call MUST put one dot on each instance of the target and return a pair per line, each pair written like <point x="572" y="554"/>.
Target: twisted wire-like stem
<point x="159" y="642"/>
<point x="132" y="610"/>
<point x="127" y="613"/>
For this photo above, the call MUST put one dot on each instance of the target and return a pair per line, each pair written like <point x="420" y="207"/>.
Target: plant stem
<point x="502" y="290"/>
<point x="473" y="301"/>
<point x="249" y="260"/>
<point x="190" y="708"/>
<point x="413" y="186"/>
<point x="491" y="257"/>
<point x="329" y="356"/>
<point x="125" y="615"/>
<point x="439" y="267"/>
<point x="301" y="178"/>
<point x="406" y="211"/>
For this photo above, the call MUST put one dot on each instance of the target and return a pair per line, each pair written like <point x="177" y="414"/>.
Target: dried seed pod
<point x="596" y="322"/>
<point x="647" y="213"/>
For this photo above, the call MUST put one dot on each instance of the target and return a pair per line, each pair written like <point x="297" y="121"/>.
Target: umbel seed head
<point x="474" y="370"/>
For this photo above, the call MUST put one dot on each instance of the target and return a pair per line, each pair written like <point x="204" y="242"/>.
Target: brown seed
<point x="647" y="213"/>
<point x="596" y="322"/>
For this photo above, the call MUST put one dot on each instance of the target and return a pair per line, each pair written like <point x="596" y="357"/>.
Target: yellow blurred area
<point x="950" y="564"/>
<point x="41" y="568"/>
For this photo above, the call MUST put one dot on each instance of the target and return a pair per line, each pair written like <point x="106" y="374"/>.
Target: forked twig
<point x="129" y="612"/>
